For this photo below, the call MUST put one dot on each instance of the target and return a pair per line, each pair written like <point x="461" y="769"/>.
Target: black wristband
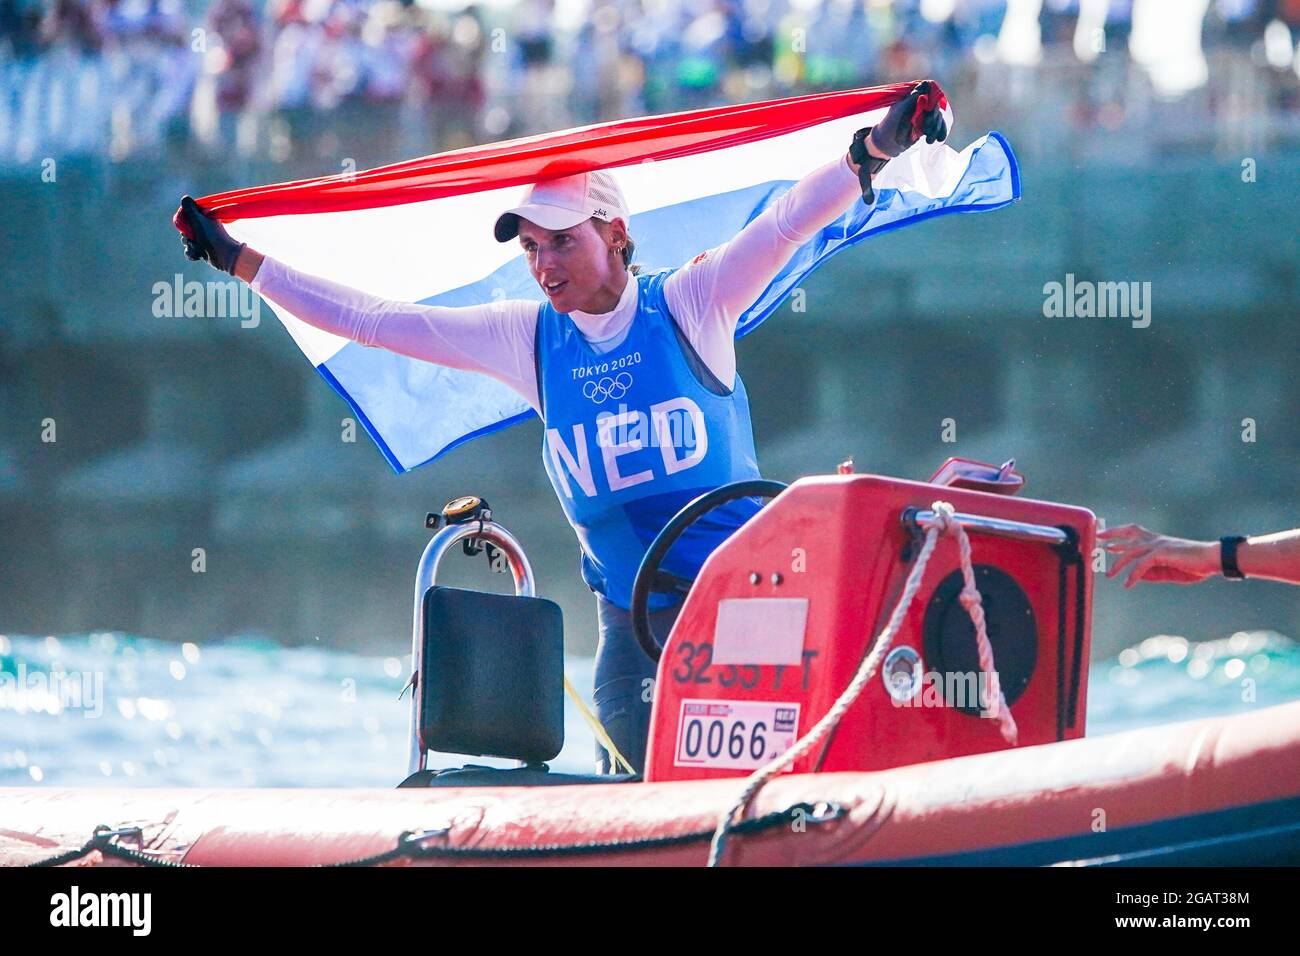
<point x="1228" y="556"/>
<point x="234" y="259"/>
<point x="868" y="165"/>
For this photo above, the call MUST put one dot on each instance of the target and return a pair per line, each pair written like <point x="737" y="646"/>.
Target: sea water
<point x="109" y="709"/>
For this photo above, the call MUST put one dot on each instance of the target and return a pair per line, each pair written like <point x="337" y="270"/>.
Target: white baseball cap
<point x="561" y="203"/>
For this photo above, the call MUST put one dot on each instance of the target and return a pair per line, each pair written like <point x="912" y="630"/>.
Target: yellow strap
<point x="596" y="727"/>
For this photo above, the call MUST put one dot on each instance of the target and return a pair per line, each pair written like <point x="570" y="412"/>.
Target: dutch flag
<point x="421" y="231"/>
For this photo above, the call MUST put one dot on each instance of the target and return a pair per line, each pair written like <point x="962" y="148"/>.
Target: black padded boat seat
<point x="492" y="678"/>
<point x="534" y="776"/>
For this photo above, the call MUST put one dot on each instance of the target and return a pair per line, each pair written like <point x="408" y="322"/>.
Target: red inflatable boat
<point x="870" y="671"/>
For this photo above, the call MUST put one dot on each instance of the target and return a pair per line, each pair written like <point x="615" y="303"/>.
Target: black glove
<point x="204" y="237"/>
<point x="917" y="114"/>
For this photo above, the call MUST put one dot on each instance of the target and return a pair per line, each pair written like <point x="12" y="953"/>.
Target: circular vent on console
<point x="948" y="637"/>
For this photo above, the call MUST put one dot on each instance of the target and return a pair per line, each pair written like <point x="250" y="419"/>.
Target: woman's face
<point x="579" y="268"/>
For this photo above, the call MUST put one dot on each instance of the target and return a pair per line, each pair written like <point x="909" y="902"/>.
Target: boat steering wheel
<point x="650" y="578"/>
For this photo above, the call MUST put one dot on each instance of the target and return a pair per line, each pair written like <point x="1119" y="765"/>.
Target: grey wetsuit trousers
<point x="625" y="682"/>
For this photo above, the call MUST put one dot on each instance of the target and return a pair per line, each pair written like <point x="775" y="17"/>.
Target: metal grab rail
<point x="914" y="518"/>
<point x="438" y="545"/>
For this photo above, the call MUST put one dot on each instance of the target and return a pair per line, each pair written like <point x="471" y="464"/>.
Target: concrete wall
<point x="175" y="434"/>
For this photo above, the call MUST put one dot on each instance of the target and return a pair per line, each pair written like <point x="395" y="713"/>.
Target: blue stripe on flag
<point x="416" y="411"/>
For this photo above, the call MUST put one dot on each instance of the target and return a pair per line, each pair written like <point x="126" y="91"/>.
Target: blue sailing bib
<point x="632" y="435"/>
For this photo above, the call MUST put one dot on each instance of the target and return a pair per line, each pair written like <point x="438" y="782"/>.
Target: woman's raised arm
<point x="494" y="338"/>
<point x="710" y="293"/>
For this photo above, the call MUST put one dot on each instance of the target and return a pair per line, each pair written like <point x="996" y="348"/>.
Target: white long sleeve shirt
<point x="707" y="296"/>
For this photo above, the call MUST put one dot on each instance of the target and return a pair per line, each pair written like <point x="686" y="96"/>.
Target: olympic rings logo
<point x="598" y="390"/>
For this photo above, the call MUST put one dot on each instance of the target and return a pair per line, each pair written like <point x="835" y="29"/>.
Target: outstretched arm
<point x="495" y="339"/>
<point x="1161" y="558"/>
<point x="710" y="293"/>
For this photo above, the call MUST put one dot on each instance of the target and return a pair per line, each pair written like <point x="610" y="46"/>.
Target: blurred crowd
<point x="284" y="78"/>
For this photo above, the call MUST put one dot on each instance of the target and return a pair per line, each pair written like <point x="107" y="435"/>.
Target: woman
<point x="634" y="375"/>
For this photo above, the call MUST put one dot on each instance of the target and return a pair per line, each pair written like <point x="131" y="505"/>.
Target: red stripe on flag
<point x="530" y="159"/>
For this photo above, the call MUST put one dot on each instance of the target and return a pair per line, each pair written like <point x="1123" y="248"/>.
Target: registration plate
<point x="734" y="734"/>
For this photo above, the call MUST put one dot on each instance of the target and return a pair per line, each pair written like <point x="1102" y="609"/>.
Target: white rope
<point x="992" y="700"/>
<point x="942" y="523"/>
